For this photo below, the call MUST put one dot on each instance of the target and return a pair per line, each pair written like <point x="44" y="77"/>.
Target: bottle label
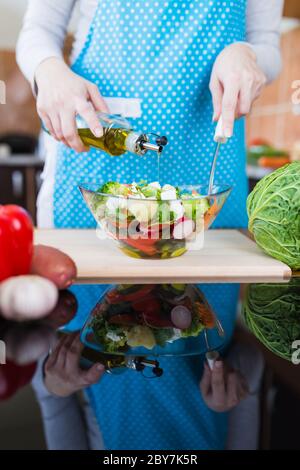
<point x="131" y="142"/>
<point x="125" y="107"/>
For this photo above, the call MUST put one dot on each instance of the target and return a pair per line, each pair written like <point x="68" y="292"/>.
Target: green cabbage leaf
<point x="274" y="214"/>
<point x="272" y="314"/>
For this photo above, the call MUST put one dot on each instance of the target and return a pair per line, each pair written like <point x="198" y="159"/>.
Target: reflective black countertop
<point x="268" y="321"/>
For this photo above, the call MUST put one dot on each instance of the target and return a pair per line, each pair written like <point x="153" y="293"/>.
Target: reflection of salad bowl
<point x="156" y="320"/>
<point x="154" y="222"/>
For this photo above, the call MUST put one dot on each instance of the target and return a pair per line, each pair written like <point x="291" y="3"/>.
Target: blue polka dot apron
<point x="161" y="52"/>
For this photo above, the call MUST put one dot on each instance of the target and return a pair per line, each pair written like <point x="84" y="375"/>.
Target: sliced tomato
<point x="155" y="229"/>
<point x="148" y="303"/>
<point x="146" y="245"/>
<point x="119" y="223"/>
<point x="123" y="319"/>
<point x="115" y="297"/>
<point x="149" y="309"/>
<point x="211" y="214"/>
<point x="157" y="320"/>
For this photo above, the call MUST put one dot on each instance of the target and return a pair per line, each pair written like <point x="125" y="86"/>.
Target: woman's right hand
<point x="61" y="95"/>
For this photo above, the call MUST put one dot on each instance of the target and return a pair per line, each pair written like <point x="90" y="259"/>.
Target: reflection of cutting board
<point x="227" y="256"/>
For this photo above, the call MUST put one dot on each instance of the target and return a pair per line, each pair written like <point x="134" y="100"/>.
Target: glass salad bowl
<point x="152" y="320"/>
<point x="154" y="222"/>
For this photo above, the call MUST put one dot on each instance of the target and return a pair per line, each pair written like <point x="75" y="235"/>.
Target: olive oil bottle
<point x="119" y="363"/>
<point x="118" y="137"/>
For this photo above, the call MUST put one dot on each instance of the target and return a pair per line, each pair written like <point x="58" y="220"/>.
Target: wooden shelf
<point x="227" y="256"/>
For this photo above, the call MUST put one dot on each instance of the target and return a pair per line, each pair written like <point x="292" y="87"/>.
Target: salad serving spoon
<point x="219" y="138"/>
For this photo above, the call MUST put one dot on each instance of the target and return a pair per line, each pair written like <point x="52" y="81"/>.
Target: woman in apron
<point x="171" y="57"/>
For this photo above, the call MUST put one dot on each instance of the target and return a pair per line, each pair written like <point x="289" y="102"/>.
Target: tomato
<point x="123" y="319"/>
<point x="146" y="245"/>
<point x="155" y="230"/>
<point x="17" y="222"/>
<point x="115" y="297"/>
<point x="149" y="304"/>
<point x="149" y="309"/>
<point x="258" y="142"/>
<point x="119" y="223"/>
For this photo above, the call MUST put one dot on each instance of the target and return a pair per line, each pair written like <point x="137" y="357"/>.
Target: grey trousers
<point x="70" y="423"/>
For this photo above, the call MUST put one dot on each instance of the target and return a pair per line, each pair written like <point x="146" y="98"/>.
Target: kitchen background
<point x="274" y="121"/>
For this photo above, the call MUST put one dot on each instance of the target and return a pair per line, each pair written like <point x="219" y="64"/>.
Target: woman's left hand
<point x="63" y="374"/>
<point x="222" y="388"/>
<point x="236" y="82"/>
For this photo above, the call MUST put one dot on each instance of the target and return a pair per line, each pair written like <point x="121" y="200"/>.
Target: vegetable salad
<point x="150" y="220"/>
<point x="147" y="316"/>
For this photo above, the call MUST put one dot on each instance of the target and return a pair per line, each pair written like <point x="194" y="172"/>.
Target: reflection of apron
<point x="165" y="413"/>
<point x="161" y="52"/>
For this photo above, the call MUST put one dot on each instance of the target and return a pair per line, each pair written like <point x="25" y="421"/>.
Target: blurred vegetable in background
<point x="272" y="313"/>
<point x="16" y="241"/>
<point x="274" y="214"/>
<point x="262" y="154"/>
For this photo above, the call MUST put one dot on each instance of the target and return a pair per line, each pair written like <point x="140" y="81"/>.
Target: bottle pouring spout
<point x="154" y="147"/>
<point x="158" y="146"/>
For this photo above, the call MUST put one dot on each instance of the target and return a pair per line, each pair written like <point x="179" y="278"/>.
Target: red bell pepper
<point x="6" y="269"/>
<point x="14" y="377"/>
<point x="16" y="241"/>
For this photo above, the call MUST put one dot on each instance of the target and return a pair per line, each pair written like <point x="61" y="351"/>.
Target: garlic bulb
<point x="27" y="297"/>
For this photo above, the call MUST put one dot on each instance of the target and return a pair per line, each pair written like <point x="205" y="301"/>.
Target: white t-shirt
<point x="46" y="23"/>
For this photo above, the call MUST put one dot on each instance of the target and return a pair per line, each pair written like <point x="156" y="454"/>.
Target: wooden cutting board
<point x="227" y="256"/>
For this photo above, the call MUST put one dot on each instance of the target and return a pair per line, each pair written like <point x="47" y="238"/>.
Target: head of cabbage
<point x="274" y="214"/>
<point x="272" y="314"/>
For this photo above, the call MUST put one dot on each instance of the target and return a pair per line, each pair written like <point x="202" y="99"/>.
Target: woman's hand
<point x="61" y="95"/>
<point x="222" y="388"/>
<point x="236" y="82"/>
<point x="63" y="375"/>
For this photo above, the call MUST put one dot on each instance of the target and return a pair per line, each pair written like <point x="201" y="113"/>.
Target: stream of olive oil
<point x="158" y="166"/>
